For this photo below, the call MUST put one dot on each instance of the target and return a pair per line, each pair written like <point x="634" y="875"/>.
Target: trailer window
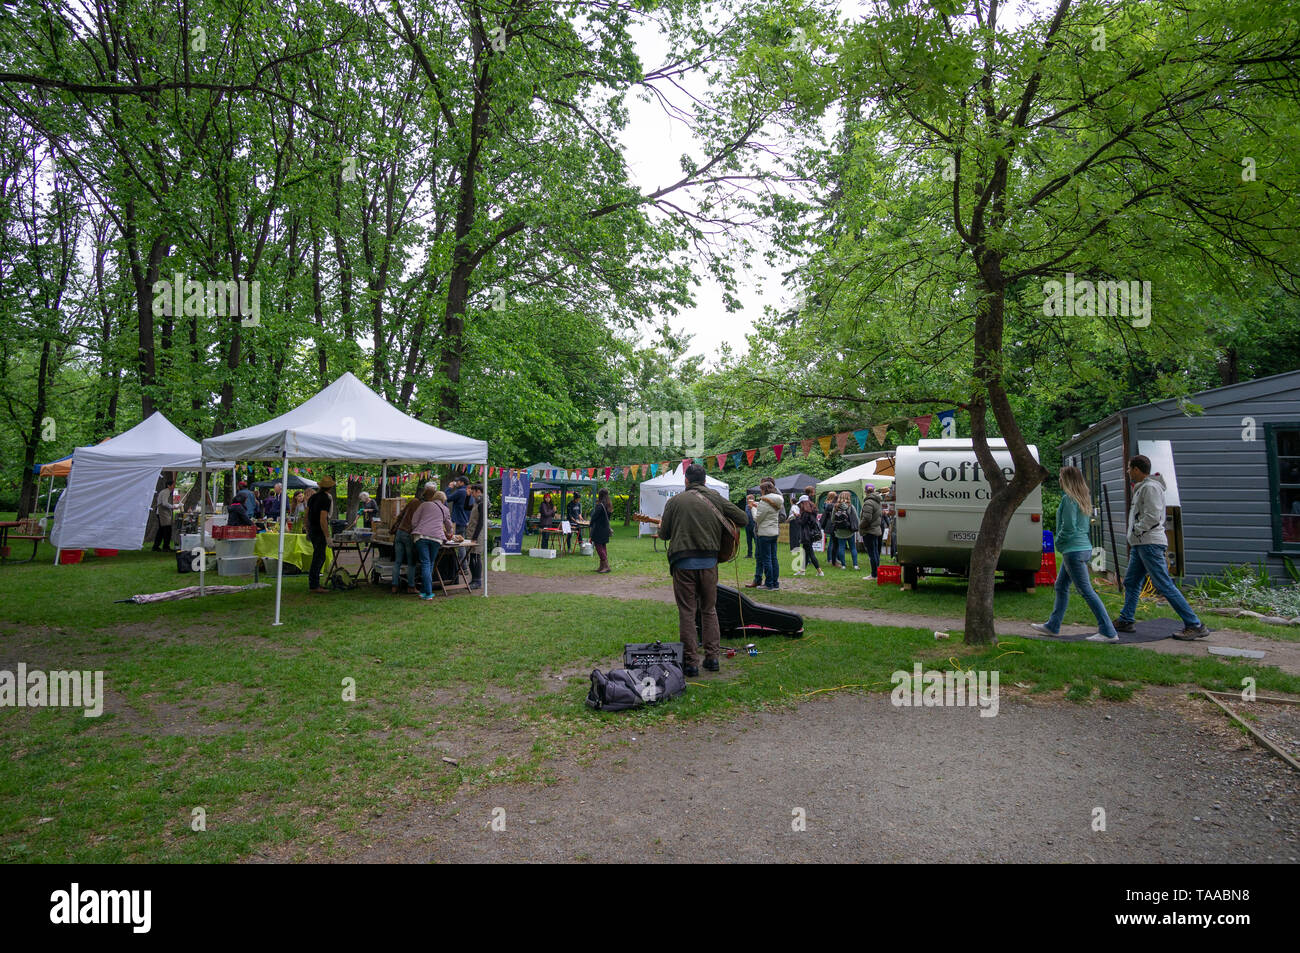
<point x="1283" y="441"/>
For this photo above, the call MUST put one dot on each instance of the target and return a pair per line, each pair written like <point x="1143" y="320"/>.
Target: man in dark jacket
<point x="871" y="526"/>
<point x="693" y="530"/>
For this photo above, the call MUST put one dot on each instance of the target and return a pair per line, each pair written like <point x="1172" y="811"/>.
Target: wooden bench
<point x="27" y="530"/>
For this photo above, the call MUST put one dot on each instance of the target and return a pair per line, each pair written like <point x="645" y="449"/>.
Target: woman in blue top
<point x="1074" y="546"/>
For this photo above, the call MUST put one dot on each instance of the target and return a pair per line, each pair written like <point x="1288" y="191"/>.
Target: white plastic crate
<point x="235" y="548"/>
<point x="543" y="553"/>
<point x="236" y="565"/>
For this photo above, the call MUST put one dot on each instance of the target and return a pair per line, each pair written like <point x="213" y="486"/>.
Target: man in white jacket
<point x="1147" y="545"/>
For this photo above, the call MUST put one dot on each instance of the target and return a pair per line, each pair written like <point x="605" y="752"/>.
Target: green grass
<point x="212" y="707"/>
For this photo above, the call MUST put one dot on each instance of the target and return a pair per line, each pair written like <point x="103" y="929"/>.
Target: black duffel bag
<point x="625" y="688"/>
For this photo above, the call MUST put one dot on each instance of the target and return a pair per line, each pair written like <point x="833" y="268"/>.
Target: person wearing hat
<point x="870" y="526"/>
<point x="318" y="531"/>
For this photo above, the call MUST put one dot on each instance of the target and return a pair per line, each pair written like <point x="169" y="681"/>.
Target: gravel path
<point x="1284" y="655"/>
<point x="879" y="783"/>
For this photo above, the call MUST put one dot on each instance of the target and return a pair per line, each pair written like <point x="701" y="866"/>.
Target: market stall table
<point x="454" y="551"/>
<point x="297" y="550"/>
<point x="351" y="542"/>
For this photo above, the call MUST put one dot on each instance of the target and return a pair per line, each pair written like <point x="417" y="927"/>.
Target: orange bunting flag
<point x="807" y="447"/>
<point x="825" y="445"/>
<point x="778" y="450"/>
<point x="749" y="457"/>
<point x="881" y="431"/>
<point x="841" y="440"/>
<point x="591" y="473"/>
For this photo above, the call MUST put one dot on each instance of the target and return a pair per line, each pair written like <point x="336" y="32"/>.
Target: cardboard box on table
<point x="390" y="507"/>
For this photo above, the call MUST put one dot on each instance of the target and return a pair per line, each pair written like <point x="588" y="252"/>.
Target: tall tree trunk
<point x="27" y="493"/>
<point x="1007" y="495"/>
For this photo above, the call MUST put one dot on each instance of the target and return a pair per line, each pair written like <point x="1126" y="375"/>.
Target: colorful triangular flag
<point x="825" y="445"/>
<point x="881" y="431"/>
<point x="923" y="423"/>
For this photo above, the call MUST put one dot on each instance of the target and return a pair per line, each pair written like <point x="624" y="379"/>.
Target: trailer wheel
<point x="910" y="576"/>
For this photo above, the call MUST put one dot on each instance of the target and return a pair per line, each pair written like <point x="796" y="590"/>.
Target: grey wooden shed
<point x="1237" y="464"/>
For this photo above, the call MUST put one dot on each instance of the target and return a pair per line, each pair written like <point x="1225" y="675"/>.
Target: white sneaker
<point x="799" y="573"/>
<point x="1098" y="637"/>
<point x="820" y="573"/>
<point x="1042" y="629"/>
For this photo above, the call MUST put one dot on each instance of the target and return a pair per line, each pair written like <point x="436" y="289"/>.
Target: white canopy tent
<point x="111" y="485"/>
<point x="350" y="423"/>
<point x="856" y="480"/>
<point x="656" y="493"/>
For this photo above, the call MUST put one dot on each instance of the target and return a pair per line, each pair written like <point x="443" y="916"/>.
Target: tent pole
<point x="48" y="496"/>
<point x="203" y="515"/>
<point x="279" y="569"/>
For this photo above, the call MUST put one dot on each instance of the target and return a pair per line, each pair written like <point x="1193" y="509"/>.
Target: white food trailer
<point x="940" y="497"/>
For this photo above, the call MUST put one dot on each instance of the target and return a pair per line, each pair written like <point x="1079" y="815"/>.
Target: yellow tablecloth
<point x="297" y="549"/>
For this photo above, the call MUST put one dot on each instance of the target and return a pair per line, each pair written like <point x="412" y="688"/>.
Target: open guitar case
<point x="740" y="617"/>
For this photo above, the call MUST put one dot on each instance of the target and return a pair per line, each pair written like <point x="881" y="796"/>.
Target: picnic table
<point x="28" y="529"/>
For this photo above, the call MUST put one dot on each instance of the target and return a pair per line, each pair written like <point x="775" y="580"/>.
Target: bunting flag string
<point x="636" y="471"/>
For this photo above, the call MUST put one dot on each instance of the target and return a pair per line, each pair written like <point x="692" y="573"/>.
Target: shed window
<point x="1284" y="483"/>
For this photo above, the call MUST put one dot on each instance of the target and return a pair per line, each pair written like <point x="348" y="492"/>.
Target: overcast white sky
<point x="653" y="145"/>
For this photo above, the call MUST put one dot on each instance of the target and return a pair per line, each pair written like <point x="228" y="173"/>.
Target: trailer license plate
<point x="962" y="535"/>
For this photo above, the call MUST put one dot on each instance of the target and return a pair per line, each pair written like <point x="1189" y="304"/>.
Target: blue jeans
<point x="1074" y="568"/>
<point x="765" y="563"/>
<point x="1149" y="560"/>
<point x="873" y="551"/>
<point x="428" y="550"/>
<point x="404" y="555"/>
<point x="839" y="549"/>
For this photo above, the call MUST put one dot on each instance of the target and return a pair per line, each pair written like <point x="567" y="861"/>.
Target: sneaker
<point x="712" y="664"/>
<point x="426" y="598"/>
<point x="690" y="671"/>
<point x="1098" y="637"/>
<point x="1192" y="633"/>
<point x="1042" y="629"/>
<point x="798" y="573"/>
<point x="1123" y="625"/>
<point x="820" y="573"/>
<point x="773" y="588"/>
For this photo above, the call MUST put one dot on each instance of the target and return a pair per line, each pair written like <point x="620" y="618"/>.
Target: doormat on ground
<point x="1148" y="630"/>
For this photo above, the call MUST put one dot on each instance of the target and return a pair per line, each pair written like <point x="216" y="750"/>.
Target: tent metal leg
<point x="203" y="516"/>
<point x="279" y="569"/>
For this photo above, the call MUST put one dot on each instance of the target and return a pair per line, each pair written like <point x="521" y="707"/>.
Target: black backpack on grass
<point x="625" y="688"/>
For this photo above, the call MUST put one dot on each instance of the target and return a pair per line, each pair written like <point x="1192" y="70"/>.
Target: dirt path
<point x="1284" y="655"/>
<point x="880" y="783"/>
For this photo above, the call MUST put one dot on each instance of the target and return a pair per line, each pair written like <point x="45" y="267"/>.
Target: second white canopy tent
<point x="349" y="423"/>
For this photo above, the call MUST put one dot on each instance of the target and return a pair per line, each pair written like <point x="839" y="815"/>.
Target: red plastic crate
<point x="106" y="552"/>
<point x="1048" y="564"/>
<point x="69" y="556"/>
<point x="234" y="532"/>
<point x="889" y="575"/>
<point x="1045" y="578"/>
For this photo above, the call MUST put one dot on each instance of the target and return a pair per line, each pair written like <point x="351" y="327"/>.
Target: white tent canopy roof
<point x="348" y="422"/>
<point x="855" y="480"/>
<point x="656" y="493"/>
<point x="111" y="485"/>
